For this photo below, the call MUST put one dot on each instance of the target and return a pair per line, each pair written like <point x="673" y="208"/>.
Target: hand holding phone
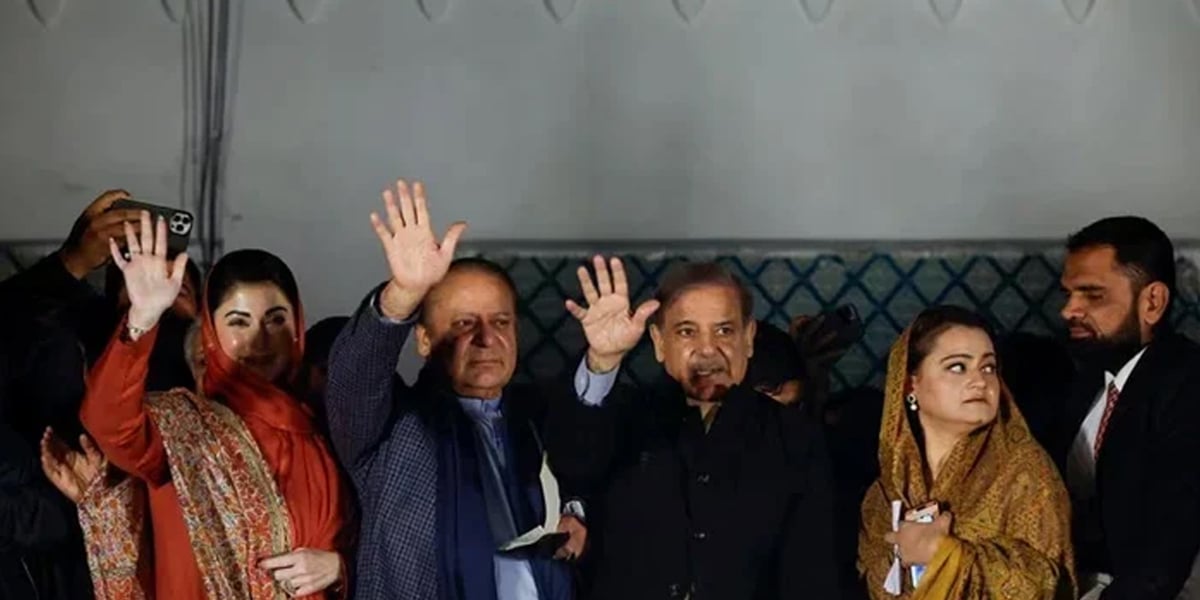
<point x="179" y="222"/>
<point x="86" y="247"/>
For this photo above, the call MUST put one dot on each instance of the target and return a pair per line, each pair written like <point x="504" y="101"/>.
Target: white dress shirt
<point x="1081" y="461"/>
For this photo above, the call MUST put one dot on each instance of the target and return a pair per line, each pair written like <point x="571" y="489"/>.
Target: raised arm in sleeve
<point x="583" y="429"/>
<point x="114" y="410"/>
<point x="361" y="393"/>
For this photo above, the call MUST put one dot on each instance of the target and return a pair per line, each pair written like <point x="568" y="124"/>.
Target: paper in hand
<point x="891" y="584"/>
<point x="925" y="514"/>
<point x="545" y="536"/>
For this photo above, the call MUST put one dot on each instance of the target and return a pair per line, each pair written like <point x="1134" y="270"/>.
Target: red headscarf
<point x="283" y="428"/>
<point x="246" y="392"/>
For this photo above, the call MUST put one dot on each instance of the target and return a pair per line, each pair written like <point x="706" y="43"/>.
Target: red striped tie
<point x="1112" y="395"/>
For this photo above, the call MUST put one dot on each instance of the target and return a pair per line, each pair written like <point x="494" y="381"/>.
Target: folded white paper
<point x="553" y="507"/>
<point x="892" y="583"/>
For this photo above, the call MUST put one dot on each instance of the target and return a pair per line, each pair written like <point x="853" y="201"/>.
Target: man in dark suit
<point x="713" y="490"/>
<point x="1129" y="440"/>
<point x="451" y="469"/>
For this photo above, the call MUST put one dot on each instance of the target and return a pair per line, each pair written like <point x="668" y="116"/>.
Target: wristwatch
<point x="574" y="507"/>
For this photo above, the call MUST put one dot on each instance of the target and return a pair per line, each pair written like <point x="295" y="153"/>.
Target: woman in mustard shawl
<point x="951" y="435"/>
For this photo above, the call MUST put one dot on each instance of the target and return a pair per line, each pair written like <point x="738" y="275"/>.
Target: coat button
<point x="700" y="536"/>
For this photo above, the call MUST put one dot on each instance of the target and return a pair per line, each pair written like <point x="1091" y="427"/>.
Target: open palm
<point x="609" y="325"/>
<point x="416" y="259"/>
<point x="150" y="280"/>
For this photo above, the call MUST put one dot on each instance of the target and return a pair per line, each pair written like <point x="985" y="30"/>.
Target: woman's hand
<point x="303" y="571"/>
<point x="918" y="542"/>
<point x="152" y="282"/>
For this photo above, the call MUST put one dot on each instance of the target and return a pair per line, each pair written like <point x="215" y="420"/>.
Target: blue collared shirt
<point x="514" y="576"/>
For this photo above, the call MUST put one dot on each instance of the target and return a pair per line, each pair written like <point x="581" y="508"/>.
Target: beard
<point x="1108" y="352"/>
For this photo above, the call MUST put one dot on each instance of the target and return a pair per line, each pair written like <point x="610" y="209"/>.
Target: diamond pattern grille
<point x="1016" y="291"/>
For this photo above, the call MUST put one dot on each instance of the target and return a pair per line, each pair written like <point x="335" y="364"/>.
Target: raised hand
<point x="70" y="471"/>
<point x="86" y="248"/>
<point x="151" y="282"/>
<point x="415" y="257"/>
<point x="611" y="328"/>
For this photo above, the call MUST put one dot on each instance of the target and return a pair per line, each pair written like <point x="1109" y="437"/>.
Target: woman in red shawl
<point x="243" y="495"/>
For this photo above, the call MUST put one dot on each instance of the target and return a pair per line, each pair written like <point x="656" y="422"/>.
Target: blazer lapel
<point x="1142" y="382"/>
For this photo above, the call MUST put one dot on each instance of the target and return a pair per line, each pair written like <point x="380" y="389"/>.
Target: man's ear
<point x="657" y="341"/>
<point x="424" y="341"/>
<point x="1152" y="303"/>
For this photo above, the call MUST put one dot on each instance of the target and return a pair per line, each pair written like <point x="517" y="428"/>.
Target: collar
<point x="482" y="409"/>
<point x="1122" y="375"/>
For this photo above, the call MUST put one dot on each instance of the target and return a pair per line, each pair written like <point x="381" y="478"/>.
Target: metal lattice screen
<point x="1017" y="291"/>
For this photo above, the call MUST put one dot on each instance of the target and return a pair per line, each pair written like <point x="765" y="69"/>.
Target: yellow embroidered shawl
<point x="231" y="507"/>
<point x="1010" y="536"/>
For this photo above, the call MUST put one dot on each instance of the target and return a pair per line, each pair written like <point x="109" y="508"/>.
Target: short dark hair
<point x="1142" y="248"/>
<point x="687" y="276"/>
<point x="250" y="266"/>
<point x="932" y="322"/>
<point x="481" y="265"/>
<point x="319" y="338"/>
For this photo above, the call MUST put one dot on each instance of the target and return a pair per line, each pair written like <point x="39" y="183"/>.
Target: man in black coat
<point x="713" y="489"/>
<point x="1128" y="441"/>
<point x="41" y="545"/>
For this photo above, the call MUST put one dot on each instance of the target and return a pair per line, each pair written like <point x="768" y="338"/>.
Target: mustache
<point x="1081" y="324"/>
<point x="714" y="364"/>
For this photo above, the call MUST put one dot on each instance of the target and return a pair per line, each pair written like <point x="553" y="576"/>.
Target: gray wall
<point x="623" y="121"/>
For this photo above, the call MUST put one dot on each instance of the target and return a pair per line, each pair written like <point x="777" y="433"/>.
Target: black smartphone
<point x="179" y="222"/>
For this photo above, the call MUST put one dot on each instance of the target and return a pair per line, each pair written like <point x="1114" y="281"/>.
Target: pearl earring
<point x="911" y="399"/>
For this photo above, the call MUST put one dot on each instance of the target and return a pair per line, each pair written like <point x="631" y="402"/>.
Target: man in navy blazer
<point x="450" y="469"/>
